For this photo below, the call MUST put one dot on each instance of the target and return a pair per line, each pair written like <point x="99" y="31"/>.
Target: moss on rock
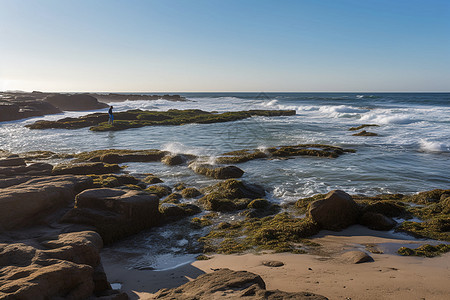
<point x="425" y="250"/>
<point x="159" y="190"/>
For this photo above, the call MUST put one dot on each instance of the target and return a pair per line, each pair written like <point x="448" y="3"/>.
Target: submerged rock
<point x="29" y="202"/>
<point x="335" y="212"/>
<point x="114" y="213"/>
<point x="232" y="284"/>
<point x="217" y="172"/>
<point x="363" y="126"/>
<point x="365" y="133"/>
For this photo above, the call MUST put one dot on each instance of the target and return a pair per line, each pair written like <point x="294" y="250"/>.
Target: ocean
<point x="411" y="153"/>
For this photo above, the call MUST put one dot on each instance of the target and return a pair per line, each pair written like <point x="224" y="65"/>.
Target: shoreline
<point x="389" y="276"/>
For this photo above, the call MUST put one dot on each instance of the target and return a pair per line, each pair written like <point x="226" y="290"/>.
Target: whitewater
<point x="411" y="153"/>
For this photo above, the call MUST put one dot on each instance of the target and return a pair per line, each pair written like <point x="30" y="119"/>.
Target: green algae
<point x="279" y="233"/>
<point x="112" y="180"/>
<point x="140" y="118"/>
<point x="365" y="133"/>
<point x="425" y="250"/>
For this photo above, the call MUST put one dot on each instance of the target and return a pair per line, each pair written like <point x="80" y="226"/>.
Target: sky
<point x="227" y="45"/>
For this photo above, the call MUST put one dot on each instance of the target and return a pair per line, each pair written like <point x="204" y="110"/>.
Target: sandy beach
<point x="389" y="276"/>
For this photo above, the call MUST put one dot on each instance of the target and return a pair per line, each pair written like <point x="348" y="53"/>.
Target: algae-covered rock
<point x="159" y="190"/>
<point x="217" y="172"/>
<point x="190" y="193"/>
<point x="151" y="179"/>
<point x="177" y="159"/>
<point x="425" y="250"/>
<point x="173" y="212"/>
<point x="317" y="150"/>
<point x="139" y="118"/>
<point x="85" y="168"/>
<point x="173" y="198"/>
<point x="121" y="155"/>
<point x="230" y="195"/>
<point x="281" y="233"/>
<point x="335" y="212"/>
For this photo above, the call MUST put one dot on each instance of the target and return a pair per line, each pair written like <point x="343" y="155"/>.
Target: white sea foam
<point x="179" y="148"/>
<point x="388" y="118"/>
<point x="433" y="146"/>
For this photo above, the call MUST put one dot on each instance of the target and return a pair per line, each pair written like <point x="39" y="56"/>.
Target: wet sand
<point x="390" y="276"/>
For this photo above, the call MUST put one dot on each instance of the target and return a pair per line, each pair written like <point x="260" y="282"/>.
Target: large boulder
<point x="114" y="213"/>
<point x="335" y="212"/>
<point x="67" y="266"/>
<point x="75" y="102"/>
<point x="221" y="172"/>
<point x="31" y="201"/>
<point x="230" y="285"/>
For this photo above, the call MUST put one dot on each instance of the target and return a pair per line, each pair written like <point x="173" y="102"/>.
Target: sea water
<point x="411" y="153"/>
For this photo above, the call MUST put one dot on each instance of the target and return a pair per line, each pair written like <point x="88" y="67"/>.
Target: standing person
<point x="111" y="117"/>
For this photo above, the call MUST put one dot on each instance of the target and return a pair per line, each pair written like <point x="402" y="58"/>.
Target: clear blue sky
<point x="227" y="45"/>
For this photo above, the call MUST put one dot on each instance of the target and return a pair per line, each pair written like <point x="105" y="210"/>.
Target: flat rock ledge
<point x="230" y="284"/>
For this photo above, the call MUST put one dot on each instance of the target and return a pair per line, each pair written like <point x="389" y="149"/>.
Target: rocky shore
<point x="55" y="218"/>
<point x="20" y="105"/>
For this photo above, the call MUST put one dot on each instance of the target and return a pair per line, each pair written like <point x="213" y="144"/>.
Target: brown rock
<point x="114" y="213"/>
<point x="29" y="202"/>
<point x="355" y="257"/>
<point x="12" y="161"/>
<point x="335" y="212"/>
<point x="32" y="169"/>
<point x="68" y="268"/>
<point x="229" y="284"/>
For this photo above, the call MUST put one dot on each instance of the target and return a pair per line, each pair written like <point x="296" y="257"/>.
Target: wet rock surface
<point x="76" y="102"/>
